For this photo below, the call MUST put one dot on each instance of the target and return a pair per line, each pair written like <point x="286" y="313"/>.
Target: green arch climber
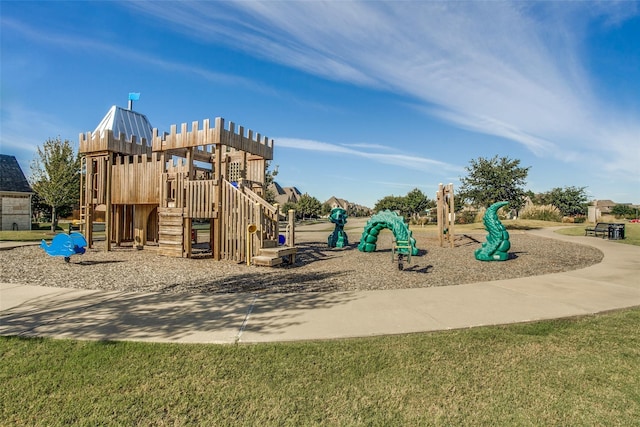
<point x="391" y="221"/>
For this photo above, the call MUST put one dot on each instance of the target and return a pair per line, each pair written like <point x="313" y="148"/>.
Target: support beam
<point x="108" y="215"/>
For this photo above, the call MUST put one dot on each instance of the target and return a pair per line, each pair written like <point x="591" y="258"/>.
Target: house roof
<point x="285" y="194"/>
<point x="605" y="203"/>
<point x="120" y="120"/>
<point x="11" y="176"/>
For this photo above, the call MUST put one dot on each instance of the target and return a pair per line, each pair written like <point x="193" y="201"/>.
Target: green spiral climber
<point x="391" y="221"/>
<point x="497" y="245"/>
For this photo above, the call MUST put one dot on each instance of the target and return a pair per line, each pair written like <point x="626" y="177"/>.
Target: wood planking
<point x="261" y="146"/>
<point x="134" y="180"/>
<point x="201" y="198"/>
<point x="170" y="232"/>
<point x="104" y="141"/>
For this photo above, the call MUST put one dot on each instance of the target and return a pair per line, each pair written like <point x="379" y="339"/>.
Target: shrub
<point x="422" y="221"/>
<point x="466" y="217"/>
<point x="542" y="213"/>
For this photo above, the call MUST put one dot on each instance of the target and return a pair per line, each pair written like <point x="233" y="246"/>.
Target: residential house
<point x="285" y="194"/>
<point x="15" y="196"/>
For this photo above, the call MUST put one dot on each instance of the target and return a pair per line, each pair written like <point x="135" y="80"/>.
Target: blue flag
<point x="134" y="96"/>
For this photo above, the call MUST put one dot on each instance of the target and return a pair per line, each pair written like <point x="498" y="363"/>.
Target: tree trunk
<point x="54" y="219"/>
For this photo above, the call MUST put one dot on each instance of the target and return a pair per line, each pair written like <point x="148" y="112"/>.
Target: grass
<point x="27" y="236"/>
<point x="581" y="371"/>
<point x="43" y="231"/>
<point x="631" y="230"/>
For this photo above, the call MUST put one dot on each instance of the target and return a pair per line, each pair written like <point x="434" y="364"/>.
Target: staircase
<point x="272" y="256"/>
<point x="170" y="231"/>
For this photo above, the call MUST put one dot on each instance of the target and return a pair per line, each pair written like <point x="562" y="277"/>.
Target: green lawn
<point x="632" y="233"/>
<point x="583" y="371"/>
<point x="43" y="232"/>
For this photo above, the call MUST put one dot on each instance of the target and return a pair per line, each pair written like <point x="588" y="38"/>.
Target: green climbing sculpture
<point x="497" y="245"/>
<point x="338" y="239"/>
<point x="392" y="221"/>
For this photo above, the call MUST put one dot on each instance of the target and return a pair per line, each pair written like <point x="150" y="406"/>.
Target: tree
<point x="55" y="176"/>
<point x="308" y="206"/>
<point x="284" y="209"/>
<point x="393" y="203"/>
<point x="326" y="209"/>
<point x="40" y="211"/>
<point x="571" y="201"/>
<point x="416" y="202"/>
<point x="409" y="206"/>
<point x="622" y="211"/>
<point x="494" y="180"/>
<point x="269" y="178"/>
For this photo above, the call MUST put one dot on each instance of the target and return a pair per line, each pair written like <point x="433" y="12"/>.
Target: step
<point x="278" y="252"/>
<point x="266" y="261"/>
<point x="171" y="232"/>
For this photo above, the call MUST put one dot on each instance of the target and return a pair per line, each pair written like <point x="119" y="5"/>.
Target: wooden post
<point x="83" y="208"/>
<point x="261" y="224"/>
<point x="451" y="214"/>
<point x="446" y="215"/>
<point x="118" y="223"/>
<point x="440" y="219"/>
<point x="88" y="198"/>
<point x="108" y="214"/>
<point x="216" y="223"/>
<point x="187" y="223"/>
<point x="291" y="229"/>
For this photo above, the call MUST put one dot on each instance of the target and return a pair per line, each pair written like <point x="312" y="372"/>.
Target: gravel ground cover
<point x="317" y="268"/>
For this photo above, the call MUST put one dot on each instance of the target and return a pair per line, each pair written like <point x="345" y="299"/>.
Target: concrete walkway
<point x="30" y="310"/>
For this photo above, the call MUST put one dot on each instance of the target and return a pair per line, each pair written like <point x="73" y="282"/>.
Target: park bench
<point x="601" y="228"/>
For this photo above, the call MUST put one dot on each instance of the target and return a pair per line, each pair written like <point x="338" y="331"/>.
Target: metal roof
<point x="11" y="176"/>
<point x="120" y="120"/>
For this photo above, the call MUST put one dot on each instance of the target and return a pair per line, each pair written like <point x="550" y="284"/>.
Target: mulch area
<point x="317" y="268"/>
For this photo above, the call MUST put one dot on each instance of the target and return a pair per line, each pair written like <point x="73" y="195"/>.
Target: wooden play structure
<point x="446" y="215"/>
<point x="153" y="191"/>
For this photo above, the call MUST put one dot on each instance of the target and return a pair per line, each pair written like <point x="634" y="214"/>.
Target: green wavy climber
<point x="497" y="245"/>
<point x="391" y="221"/>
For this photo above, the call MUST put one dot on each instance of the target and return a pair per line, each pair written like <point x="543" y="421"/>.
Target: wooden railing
<point x="257" y="199"/>
<point x="201" y="198"/>
<point x="242" y="210"/>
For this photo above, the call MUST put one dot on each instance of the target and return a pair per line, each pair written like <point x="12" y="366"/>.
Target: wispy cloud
<point x="509" y="69"/>
<point x="118" y="50"/>
<point x="397" y="159"/>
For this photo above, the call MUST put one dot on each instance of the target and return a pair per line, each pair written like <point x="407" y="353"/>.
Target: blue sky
<point x="363" y="99"/>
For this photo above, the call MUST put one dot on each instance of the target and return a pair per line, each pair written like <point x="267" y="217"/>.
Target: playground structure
<point x="404" y="245"/>
<point x="338" y="238"/>
<point x="445" y="214"/>
<point x="65" y="245"/>
<point x="497" y="245"/>
<point x="153" y="190"/>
